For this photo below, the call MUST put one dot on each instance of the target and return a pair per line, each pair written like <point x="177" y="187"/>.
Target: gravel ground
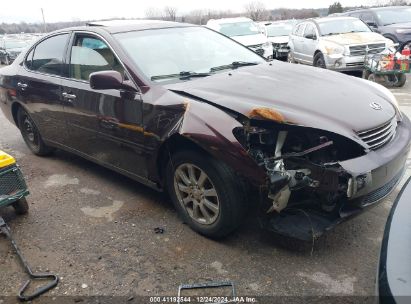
<point x="95" y="229"/>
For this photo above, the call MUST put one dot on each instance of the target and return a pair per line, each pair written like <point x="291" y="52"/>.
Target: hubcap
<point x="29" y="130"/>
<point x="196" y="193"/>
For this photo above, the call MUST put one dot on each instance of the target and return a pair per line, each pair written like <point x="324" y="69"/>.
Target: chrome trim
<point x="379" y="136"/>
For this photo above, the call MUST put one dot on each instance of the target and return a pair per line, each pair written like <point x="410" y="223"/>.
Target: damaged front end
<point x="306" y="187"/>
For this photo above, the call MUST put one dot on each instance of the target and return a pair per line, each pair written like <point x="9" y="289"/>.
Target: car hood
<point x="279" y="39"/>
<point x="250" y="39"/>
<point x="303" y="95"/>
<point x="355" y="38"/>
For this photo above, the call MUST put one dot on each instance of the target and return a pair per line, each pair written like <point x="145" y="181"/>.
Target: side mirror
<point x="109" y="80"/>
<point x="372" y="24"/>
<point x="311" y="36"/>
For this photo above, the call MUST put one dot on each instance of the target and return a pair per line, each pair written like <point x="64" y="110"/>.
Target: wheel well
<point x="14" y="110"/>
<point x="173" y="144"/>
<point x="317" y="52"/>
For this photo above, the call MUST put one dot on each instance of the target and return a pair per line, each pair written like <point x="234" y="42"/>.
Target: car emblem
<point x="375" y="106"/>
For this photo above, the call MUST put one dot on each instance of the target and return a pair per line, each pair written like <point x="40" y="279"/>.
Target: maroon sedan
<point x="186" y="110"/>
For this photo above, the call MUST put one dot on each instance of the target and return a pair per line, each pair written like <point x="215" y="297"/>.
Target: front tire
<point x="31" y="134"/>
<point x="21" y="206"/>
<point x="319" y="61"/>
<point x="290" y="58"/>
<point x="206" y="193"/>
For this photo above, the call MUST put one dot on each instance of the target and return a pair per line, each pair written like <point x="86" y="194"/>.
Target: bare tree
<point x="398" y="2"/>
<point x="154" y="13"/>
<point x="256" y="11"/>
<point x="170" y="13"/>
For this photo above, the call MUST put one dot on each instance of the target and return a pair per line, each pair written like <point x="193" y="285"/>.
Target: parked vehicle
<point x="335" y="43"/>
<point x="186" y="110"/>
<point x="246" y="32"/>
<point x="278" y="34"/>
<point x="392" y="22"/>
<point x="10" y="49"/>
<point x="394" y="271"/>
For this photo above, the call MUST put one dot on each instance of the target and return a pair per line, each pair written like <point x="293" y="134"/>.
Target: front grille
<point x="377" y="137"/>
<point x="382" y="192"/>
<point x="11" y="181"/>
<point x="362" y="50"/>
<point x="355" y="64"/>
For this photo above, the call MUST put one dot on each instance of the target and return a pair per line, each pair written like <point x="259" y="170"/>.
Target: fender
<point x="191" y="120"/>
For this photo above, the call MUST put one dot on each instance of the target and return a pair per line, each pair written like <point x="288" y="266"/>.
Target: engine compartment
<point x="302" y="164"/>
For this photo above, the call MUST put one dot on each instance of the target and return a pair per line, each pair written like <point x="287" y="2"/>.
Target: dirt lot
<point x="95" y="229"/>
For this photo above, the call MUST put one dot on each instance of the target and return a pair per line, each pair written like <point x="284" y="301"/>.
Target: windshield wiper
<point x="233" y="65"/>
<point x="331" y="34"/>
<point x="181" y="75"/>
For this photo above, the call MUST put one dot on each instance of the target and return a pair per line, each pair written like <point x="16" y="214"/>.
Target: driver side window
<point x="90" y="54"/>
<point x="310" y="32"/>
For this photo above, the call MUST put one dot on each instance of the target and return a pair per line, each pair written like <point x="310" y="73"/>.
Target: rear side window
<point x="48" y="55"/>
<point x="367" y="17"/>
<point x="356" y="15"/>
<point x="90" y="54"/>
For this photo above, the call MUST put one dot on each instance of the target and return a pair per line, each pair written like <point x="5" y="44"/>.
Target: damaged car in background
<point x="212" y="123"/>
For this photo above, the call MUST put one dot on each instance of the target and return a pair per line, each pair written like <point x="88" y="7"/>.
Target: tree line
<point x="255" y="10"/>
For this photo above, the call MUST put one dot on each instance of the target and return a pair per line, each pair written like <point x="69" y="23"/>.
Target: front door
<point x="105" y="125"/>
<point x="310" y="43"/>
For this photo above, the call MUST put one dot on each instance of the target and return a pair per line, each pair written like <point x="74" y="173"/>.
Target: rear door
<point x="39" y="86"/>
<point x="104" y="125"/>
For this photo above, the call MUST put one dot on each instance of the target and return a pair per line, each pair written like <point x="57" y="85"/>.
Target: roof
<point x="376" y="8"/>
<point x="229" y="20"/>
<point x="120" y="26"/>
<point x="330" y="18"/>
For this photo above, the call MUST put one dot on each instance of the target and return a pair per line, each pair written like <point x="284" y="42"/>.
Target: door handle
<point x="68" y="96"/>
<point x="22" y="85"/>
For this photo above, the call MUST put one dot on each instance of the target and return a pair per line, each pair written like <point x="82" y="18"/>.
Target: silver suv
<point x="335" y="43"/>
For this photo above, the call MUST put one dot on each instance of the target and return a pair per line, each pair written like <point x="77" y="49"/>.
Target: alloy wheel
<point x="29" y="131"/>
<point x="196" y="193"/>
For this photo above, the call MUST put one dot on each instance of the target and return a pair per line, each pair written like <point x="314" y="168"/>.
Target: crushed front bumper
<point x="378" y="172"/>
<point x="344" y="63"/>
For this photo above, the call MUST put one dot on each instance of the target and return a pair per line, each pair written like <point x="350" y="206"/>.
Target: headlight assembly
<point x="335" y="50"/>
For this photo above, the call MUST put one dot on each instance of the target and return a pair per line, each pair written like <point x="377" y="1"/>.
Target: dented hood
<point x="355" y="38"/>
<point x="303" y="95"/>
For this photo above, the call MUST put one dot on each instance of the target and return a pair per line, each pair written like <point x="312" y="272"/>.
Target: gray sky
<point x="57" y="10"/>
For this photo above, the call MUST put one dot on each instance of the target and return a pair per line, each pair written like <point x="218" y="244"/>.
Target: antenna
<point x="44" y="21"/>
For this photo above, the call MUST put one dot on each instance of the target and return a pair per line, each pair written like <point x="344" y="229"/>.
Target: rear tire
<point x="21" y="206"/>
<point x="206" y="193"/>
<point x="31" y="134"/>
<point x="402" y="78"/>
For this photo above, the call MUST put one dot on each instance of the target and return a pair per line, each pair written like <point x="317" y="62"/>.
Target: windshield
<point x="188" y="49"/>
<point x="239" y="29"/>
<point x="281" y="29"/>
<point x="15" y="44"/>
<point x="392" y="16"/>
<point x="342" y="26"/>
